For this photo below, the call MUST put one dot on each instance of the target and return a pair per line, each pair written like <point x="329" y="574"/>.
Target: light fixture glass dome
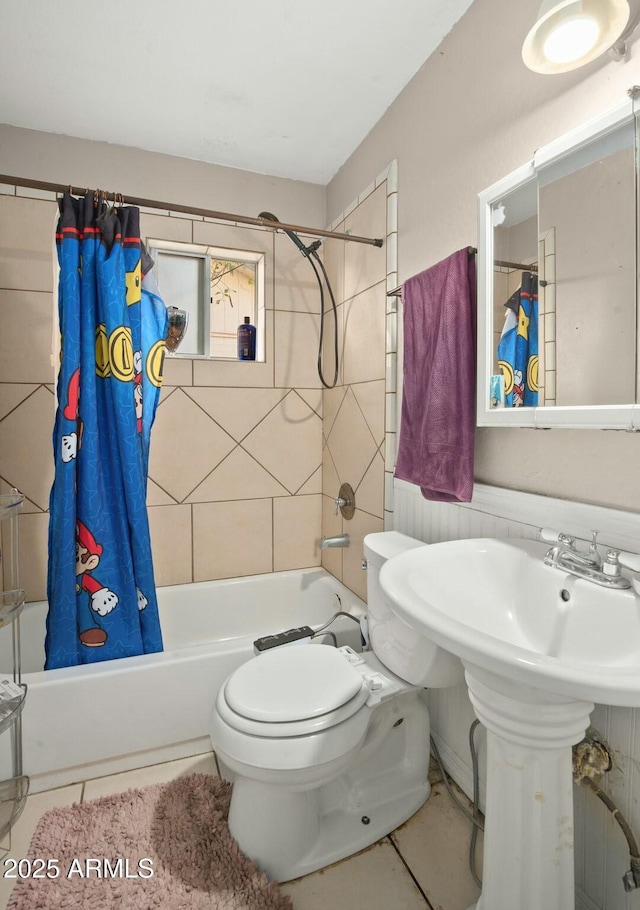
<point x="569" y="33"/>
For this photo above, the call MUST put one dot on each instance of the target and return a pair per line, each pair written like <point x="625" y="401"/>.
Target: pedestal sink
<point x="539" y="646"/>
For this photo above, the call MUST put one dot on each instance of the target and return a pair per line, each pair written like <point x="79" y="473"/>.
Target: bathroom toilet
<point x="328" y="748"/>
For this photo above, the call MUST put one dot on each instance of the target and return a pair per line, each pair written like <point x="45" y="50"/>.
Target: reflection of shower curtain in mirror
<point x="518" y="346"/>
<point x="101" y="591"/>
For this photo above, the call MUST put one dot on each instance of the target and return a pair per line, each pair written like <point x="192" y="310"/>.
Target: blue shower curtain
<point x="100" y="586"/>
<point x="518" y="346"/>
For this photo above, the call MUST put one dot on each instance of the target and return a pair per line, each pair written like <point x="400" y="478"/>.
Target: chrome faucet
<point x="341" y="541"/>
<point x="588" y="564"/>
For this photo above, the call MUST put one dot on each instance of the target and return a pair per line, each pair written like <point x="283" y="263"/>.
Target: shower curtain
<point x="100" y="585"/>
<point x="518" y="346"/>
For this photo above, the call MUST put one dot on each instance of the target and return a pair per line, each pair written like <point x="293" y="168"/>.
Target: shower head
<point x="305" y="250"/>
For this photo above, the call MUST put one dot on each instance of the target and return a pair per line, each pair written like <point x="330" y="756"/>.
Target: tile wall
<point x="241" y="453"/>
<point x="359" y="422"/>
<point x="236" y="458"/>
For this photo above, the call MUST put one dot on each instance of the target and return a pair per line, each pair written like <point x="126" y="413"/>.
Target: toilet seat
<point x="292" y="691"/>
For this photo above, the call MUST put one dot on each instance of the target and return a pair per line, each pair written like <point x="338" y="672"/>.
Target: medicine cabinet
<point x="565" y="225"/>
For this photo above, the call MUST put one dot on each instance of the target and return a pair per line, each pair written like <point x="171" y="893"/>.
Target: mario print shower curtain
<point x="100" y="586"/>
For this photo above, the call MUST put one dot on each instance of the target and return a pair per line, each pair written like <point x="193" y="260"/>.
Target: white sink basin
<point x="494" y="604"/>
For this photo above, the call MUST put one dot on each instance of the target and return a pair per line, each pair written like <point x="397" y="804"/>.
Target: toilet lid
<point x="292" y="683"/>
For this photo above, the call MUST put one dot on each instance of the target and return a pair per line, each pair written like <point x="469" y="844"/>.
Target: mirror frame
<point x="617" y="417"/>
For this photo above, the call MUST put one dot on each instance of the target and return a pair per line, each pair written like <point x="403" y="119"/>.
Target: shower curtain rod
<point x="397" y="292"/>
<point x="187" y="209"/>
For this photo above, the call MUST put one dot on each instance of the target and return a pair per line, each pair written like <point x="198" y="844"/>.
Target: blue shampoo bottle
<point x="246" y="340"/>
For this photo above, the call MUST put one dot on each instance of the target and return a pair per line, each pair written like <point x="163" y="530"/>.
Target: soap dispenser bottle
<point x="246" y="340"/>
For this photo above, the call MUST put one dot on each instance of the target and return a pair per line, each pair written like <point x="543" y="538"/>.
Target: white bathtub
<point x="83" y="722"/>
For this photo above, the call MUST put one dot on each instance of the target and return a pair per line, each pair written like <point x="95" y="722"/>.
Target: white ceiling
<point x="282" y="87"/>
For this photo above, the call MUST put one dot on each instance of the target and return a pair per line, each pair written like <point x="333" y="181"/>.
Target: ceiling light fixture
<point x="569" y="33"/>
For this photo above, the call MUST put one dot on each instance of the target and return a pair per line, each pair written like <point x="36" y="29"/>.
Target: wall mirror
<point x="558" y="276"/>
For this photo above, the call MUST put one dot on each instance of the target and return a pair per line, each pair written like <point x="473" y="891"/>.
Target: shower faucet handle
<point x="346" y="501"/>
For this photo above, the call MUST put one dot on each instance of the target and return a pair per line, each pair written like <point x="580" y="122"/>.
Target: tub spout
<point x="341" y="541"/>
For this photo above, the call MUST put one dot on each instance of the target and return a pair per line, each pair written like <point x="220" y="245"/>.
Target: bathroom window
<point x="218" y="288"/>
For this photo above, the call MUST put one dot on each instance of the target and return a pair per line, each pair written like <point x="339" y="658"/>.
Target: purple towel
<point x="437" y="428"/>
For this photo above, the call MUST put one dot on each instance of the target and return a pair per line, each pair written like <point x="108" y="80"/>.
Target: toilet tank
<point x="409" y="655"/>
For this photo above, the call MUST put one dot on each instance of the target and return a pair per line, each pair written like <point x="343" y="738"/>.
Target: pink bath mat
<point x="174" y="848"/>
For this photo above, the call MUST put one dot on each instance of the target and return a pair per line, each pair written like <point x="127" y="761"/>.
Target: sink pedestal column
<point x="528" y="838"/>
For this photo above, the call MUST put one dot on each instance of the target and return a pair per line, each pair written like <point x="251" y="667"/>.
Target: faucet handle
<point x="550" y="535"/>
<point x="612" y="563"/>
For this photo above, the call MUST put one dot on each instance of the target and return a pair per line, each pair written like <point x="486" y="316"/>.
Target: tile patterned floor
<point x="421" y="866"/>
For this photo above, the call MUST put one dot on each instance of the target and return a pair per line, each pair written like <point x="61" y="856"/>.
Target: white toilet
<point x="328" y="748"/>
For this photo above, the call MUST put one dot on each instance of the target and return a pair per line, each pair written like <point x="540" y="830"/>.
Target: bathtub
<point x="87" y="721"/>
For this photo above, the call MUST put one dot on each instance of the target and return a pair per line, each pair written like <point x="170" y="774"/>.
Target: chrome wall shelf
<point x="13" y="692"/>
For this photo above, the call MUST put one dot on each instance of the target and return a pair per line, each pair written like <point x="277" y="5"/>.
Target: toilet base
<point x="290" y="831"/>
<point x="335" y="835"/>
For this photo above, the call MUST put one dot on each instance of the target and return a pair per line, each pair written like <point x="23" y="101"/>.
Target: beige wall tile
<point x="239" y="476"/>
<point x="296" y="287"/>
<point x="26" y="459"/>
<point x="365" y="336"/>
<point x="313" y="397"/>
<point x="33" y="531"/>
<point x="371" y="401"/>
<point x="27" y="243"/>
<point x="297" y="522"/>
<point x="288" y="442"/>
<point x="25" y="340"/>
<point x="331" y="527"/>
<point x="366" y="265"/>
<point x="177" y="371"/>
<point x="232" y="539"/>
<point x="330" y="478"/>
<point x="232" y="374"/>
<point x="370" y="491"/>
<point x="350" y="442"/>
<point x="238" y="411"/>
<point x="234" y="237"/>
<point x="156" y="496"/>
<point x="163" y="227"/>
<point x="185" y="445"/>
<point x="313" y="485"/>
<point x="352" y="575"/>
<point x="296" y="350"/>
<point x="170" y="528"/>
<point x="12" y="394"/>
<point x="331" y="403"/>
